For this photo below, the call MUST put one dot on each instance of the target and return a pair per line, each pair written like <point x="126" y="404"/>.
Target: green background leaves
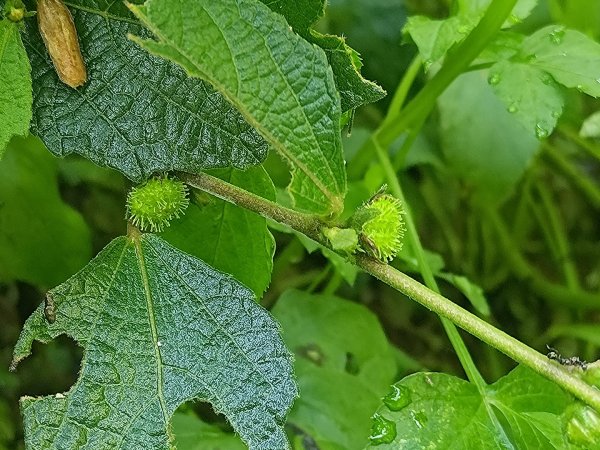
<point x="159" y="328"/>
<point x="15" y="84"/>
<point x="42" y="239"/>
<point x="137" y="113"/>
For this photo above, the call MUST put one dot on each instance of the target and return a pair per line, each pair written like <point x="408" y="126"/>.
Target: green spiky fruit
<point x="381" y="226"/>
<point x="152" y="205"/>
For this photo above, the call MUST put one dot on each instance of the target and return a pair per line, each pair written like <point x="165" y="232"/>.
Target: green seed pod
<point x="152" y="205"/>
<point x="381" y="226"/>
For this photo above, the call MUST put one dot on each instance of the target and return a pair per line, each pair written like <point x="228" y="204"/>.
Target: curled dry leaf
<point x="60" y="36"/>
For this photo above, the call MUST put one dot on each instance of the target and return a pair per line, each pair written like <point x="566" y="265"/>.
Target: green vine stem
<point x="415" y="243"/>
<point x="457" y="61"/>
<point x="312" y="225"/>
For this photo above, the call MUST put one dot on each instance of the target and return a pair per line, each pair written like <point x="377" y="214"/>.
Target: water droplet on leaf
<point x="557" y="35"/>
<point x="419" y="418"/>
<point x="397" y="398"/>
<point x="513" y="108"/>
<point x="494" y="79"/>
<point x="383" y="431"/>
<point x="541" y="131"/>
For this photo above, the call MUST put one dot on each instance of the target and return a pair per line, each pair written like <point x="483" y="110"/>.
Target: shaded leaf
<point x="42" y="239"/>
<point x="137" y="113"/>
<point x="343" y="364"/>
<point x="193" y="434"/>
<point x="233" y="240"/>
<point x="436" y="410"/>
<point x="282" y="85"/>
<point x="158" y="328"/>
<point x="15" y="84"/>
<point x="484" y="145"/>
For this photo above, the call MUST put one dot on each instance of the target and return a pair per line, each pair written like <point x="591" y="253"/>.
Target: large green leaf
<point x="282" y="84"/>
<point x="229" y="238"/>
<point x="42" y="239"/>
<point x="137" y="113"/>
<point x="440" y="411"/>
<point x="345" y="62"/>
<point x="159" y="328"/>
<point x="572" y="58"/>
<point x="343" y="364"/>
<point x="484" y="144"/>
<point x="15" y="84"/>
<point x="528" y="82"/>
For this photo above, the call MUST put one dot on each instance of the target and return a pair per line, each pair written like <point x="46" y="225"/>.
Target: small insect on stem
<point x="572" y="361"/>
<point x="60" y="36"/>
<point x="49" y="310"/>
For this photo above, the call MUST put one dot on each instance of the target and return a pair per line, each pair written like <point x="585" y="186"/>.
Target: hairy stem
<point x="311" y="226"/>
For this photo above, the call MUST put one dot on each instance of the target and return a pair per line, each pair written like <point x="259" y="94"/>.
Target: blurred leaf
<point x="292" y="100"/>
<point x="473" y="292"/>
<point x="583" y="15"/>
<point x="484" y="144"/>
<point x="343" y="364"/>
<point x="591" y="126"/>
<point x="42" y="239"/>
<point x="138" y="367"/>
<point x="585" y="332"/>
<point x="435" y="37"/>
<point x="191" y="433"/>
<point x="217" y="230"/>
<point x="436" y="410"/>
<point x="15" y="85"/>
<point x="137" y="113"/>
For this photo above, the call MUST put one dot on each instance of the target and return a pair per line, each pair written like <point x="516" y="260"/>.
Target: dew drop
<point x="494" y="79"/>
<point x="513" y="108"/>
<point x="397" y="398"/>
<point x="419" y="418"/>
<point x="383" y="431"/>
<point x="580" y="87"/>
<point x="540" y="131"/>
<point x="557" y="35"/>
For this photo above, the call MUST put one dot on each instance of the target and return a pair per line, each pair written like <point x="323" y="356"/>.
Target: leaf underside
<point x="158" y="328"/>
<point x="137" y="113"/>
<point x="282" y="84"/>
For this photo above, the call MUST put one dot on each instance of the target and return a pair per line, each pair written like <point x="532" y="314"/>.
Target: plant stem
<point x="457" y="61"/>
<point x="413" y="239"/>
<point x="496" y="338"/>
<point x="406" y="285"/>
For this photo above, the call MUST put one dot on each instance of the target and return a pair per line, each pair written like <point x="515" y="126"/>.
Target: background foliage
<point x="504" y="190"/>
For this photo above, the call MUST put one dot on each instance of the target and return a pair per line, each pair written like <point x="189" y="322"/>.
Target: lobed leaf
<point x="158" y="328"/>
<point x="435" y="410"/>
<point x="282" y="84"/>
<point x="15" y="85"/>
<point x="137" y="113"/>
